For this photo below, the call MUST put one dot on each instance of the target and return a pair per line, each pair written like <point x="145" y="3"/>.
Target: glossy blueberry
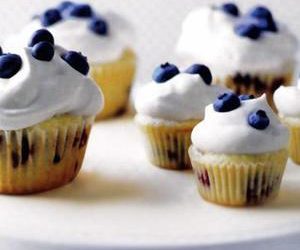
<point x="164" y="72"/>
<point x="202" y="70"/>
<point x="247" y="29"/>
<point x="264" y="18"/>
<point x="50" y="17"/>
<point x="10" y="64"/>
<point x="231" y="9"/>
<point x="43" y="51"/>
<point x="246" y="97"/>
<point x="64" y="5"/>
<point x="77" y="61"/>
<point x="259" y="120"/>
<point x="260" y="12"/>
<point x="99" y="26"/>
<point x="81" y="10"/>
<point x="226" y="102"/>
<point x="41" y="35"/>
<point x="1" y="52"/>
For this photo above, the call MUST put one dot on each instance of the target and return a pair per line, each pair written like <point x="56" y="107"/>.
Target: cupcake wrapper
<point x="294" y="143"/>
<point x="44" y="156"/>
<point x="115" y="81"/>
<point x="167" y="146"/>
<point x="238" y="181"/>
<point x="257" y="84"/>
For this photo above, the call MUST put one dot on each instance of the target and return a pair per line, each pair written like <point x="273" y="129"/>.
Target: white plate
<point x="120" y="200"/>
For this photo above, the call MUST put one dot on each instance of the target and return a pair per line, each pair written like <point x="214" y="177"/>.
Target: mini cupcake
<point x="47" y="107"/>
<point x="169" y="107"/>
<point x="239" y="151"/>
<point x="249" y="53"/>
<point x="104" y="38"/>
<point x="287" y="101"/>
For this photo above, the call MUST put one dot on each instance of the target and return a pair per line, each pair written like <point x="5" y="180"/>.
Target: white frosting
<point x="208" y="36"/>
<point x="74" y="34"/>
<point x="287" y="101"/>
<point x="181" y="98"/>
<point x="229" y="132"/>
<point x="41" y="90"/>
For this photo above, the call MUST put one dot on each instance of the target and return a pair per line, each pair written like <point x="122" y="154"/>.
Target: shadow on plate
<point x="288" y="199"/>
<point x="90" y="186"/>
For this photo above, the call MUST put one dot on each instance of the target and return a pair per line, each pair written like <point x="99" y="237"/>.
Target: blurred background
<point x="157" y="22"/>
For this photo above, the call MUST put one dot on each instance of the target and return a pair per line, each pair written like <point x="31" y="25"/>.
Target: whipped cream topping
<point x="208" y="36"/>
<point x="230" y="133"/>
<point x="181" y="98"/>
<point x="73" y="33"/>
<point x="287" y="101"/>
<point x="41" y="90"/>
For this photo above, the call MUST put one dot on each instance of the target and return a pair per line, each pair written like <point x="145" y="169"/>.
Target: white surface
<point x="119" y="200"/>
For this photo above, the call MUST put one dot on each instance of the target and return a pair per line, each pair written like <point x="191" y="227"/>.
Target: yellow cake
<point x="239" y="151"/>
<point x="167" y="110"/>
<point x="47" y="107"/>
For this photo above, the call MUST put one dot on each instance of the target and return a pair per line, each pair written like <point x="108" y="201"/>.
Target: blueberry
<point x="231" y="9"/>
<point x="81" y="10"/>
<point x="43" y="51"/>
<point x="260" y="12"/>
<point x="77" y="61"/>
<point x="50" y="17"/>
<point x="164" y="72"/>
<point x="247" y="29"/>
<point x="99" y="26"/>
<point x="41" y="35"/>
<point x="1" y="52"/>
<point x="258" y="120"/>
<point x="64" y="5"/>
<point x="264" y="18"/>
<point x="202" y="70"/>
<point x="226" y="102"/>
<point x="10" y="64"/>
<point x="246" y="97"/>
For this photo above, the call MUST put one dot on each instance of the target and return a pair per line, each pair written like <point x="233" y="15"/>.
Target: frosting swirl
<point x="208" y="35"/>
<point x="230" y="132"/>
<point x="43" y="89"/>
<point x="181" y="98"/>
<point x="287" y="101"/>
<point x="74" y="33"/>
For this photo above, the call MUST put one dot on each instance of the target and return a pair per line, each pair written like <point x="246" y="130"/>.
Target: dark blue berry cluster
<point x="166" y="71"/>
<point x="230" y="101"/>
<point x="42" y="48"/>
<point x="256" y="21"/>
<point x="68" y="9"/>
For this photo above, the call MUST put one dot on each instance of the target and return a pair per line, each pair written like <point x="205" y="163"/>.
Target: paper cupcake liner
<point x="167" y="145"/>
<point x="44" y="156"/>
<point x="257" y="84"/>
<point x="294" y="142"/>
<point x="115" y="79"/>
<point x="237" y="180"/>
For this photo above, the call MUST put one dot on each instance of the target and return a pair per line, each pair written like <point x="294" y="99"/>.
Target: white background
<point x="157" y="22"/>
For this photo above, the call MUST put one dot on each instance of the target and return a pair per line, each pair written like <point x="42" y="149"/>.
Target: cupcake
<point x="104" y="38"/>
<point x="287" y="100"/>
<point x="169" y="107"/>
<point x="239" y="151"/>
<point x="47" y="108"/>
<point x="250" y="53"/>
